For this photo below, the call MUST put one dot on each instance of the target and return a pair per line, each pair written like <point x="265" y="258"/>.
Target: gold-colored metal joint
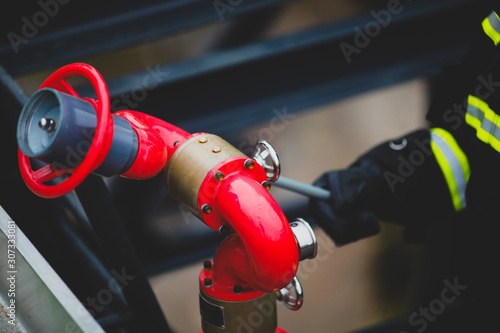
<point x="206" y="209"/>
<point x="191" y="163"/>
<point x="249" y="164"/>
<point x="224" y="230"/>
<point x="207" y="282"/>
<point x="207" y="265"/>
<point x="267" y="185"/>
<point x="219" y="176"/>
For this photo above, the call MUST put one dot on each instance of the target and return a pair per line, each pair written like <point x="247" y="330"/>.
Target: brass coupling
<point x="190" y="165"/>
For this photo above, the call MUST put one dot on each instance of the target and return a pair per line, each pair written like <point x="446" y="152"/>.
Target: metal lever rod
<point x="303" y="188"/>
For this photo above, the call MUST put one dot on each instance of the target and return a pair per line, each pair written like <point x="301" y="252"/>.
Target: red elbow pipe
<point x="157" y="142"/>
<point x="262" y="255"/>
<point x="267" y="254"/>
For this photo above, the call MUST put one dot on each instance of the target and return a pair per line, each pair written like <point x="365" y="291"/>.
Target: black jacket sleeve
<point x="397" y="181"/>
<point x="401" y="181"/>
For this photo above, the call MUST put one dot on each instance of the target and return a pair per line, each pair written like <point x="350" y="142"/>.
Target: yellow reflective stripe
<point x="491" y="27"/>
<point x="445" y="168"/>
<point x="453" y="164"/>
<point x="459" y="153"/>
<point x="484" y="120"/>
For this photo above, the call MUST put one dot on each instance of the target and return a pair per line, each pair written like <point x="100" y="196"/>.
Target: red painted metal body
<point x="262" y="234"/>
<point x="260" y="256"/>
<point x="157" y="143"/>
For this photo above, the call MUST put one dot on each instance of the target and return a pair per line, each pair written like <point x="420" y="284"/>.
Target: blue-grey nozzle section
<point x="55" y="127"/>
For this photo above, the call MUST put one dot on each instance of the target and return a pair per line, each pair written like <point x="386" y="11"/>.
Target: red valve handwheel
<point x="100" y="144"/>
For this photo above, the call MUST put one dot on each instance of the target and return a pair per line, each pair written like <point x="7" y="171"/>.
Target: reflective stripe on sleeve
<point x="453" y="163"/>
<point x="491" y="27"/>
<point x="484" y="120"/>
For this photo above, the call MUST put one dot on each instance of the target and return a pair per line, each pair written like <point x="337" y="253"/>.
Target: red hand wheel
<point x="101" y="142"/>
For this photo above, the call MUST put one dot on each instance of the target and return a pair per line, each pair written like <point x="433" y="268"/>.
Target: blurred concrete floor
<point x="339" y="285"/>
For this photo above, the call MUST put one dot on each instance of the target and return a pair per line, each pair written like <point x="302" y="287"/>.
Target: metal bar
<point x="115" y="323"/>
<point x="105" y="220"/>
<point x="12" y="97"/>
<point x="302" y="188"/>
<point x="240" y="87"/>
<point x="92" y="263"/>
<point x="244" y="30"/>
<point x="42" y="301"/>
<point x="79" y="30"/>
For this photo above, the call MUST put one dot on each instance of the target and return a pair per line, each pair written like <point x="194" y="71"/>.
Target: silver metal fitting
<point x="305" y="238"/>
<point x="291" y="302"/>
<point x="266" y="156"/>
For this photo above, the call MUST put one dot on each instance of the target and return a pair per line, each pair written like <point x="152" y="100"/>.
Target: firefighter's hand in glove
<point x="373" y="188"/>
<point x="344" y="217"/>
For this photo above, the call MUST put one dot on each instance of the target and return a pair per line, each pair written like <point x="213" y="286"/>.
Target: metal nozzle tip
<point x="48" y="125"/>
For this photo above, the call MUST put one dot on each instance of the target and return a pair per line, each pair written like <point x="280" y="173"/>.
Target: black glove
<point x="343" y="218"/>
<point x="375" y="188"/>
